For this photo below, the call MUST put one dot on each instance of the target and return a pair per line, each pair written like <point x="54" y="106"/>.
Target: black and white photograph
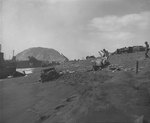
<point x="74" y="61"/>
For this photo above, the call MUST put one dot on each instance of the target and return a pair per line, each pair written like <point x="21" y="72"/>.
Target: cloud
<point x="61" y="0"/>
<point x="123" y="23"/>
<point x="77" y="0"/>
<point x="62" y="24"/>
<point x="56" y="1"/>
<point x="120" y="30"/>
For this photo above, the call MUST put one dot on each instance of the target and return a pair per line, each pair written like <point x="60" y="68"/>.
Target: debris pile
<point x="100" y="63"/>
<point x="49" y="74"/>
<point x="114" y="67"/>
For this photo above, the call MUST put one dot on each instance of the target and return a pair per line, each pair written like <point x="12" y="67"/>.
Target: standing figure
<point x="105" y="53"/>
<point x="146" y="49"/>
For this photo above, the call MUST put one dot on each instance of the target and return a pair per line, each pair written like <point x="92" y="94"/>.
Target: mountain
<point x="40" y="53"/>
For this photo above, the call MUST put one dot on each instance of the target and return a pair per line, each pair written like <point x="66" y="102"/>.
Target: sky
<point x="76" y="28"/>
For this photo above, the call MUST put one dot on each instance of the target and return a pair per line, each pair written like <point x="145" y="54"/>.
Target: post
<point x="137" y="67"/>
<point x="0" y="48"/>
<point x="13" y="53"/>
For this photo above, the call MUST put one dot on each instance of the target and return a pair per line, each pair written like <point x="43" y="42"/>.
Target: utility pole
<point x="13" y="53"/>
<point x="0" y="48"/>
<point x="137" y="66"/>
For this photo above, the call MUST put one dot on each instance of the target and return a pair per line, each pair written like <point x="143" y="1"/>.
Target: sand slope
<point x="81" y="97"/>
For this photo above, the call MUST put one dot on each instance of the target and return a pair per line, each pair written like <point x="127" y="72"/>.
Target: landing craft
<point x="7" y="67"/>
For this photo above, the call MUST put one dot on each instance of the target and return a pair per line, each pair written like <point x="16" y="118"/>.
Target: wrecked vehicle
<point x="49" y="74"/>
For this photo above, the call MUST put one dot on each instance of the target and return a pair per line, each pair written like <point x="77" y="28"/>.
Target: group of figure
<point x="104" y="53"/>
<point x="103" y="61"/>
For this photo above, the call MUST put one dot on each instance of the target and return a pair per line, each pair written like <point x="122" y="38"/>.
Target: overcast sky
<point x="75" y="28"/>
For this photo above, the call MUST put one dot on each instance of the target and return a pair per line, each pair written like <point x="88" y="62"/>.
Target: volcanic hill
<point x="40" y="53"/>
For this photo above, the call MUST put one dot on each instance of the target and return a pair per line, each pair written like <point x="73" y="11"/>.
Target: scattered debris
<point x="65" y="72"/>
<point x="18" y="74"/>
<point x="59" y="106"/>
<point x="42" y="118"/>
<point x="90" y="57"/>
<point x="69" y="99"/>
<point x="115" y="68"/>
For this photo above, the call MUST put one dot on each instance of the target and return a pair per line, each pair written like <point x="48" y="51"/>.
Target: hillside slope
<point x="84" y="96"/>
<point x="43" y="54"/>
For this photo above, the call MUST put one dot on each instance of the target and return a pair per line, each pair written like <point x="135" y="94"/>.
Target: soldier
<point x="105" y="53"/>
<point x="146" y="49"/>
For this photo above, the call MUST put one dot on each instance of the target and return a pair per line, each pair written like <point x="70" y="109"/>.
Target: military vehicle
<point x="7" y="67"/>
